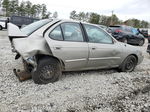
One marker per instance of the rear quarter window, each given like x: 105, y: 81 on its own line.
x: 56, y: 34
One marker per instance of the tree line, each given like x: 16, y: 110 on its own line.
x: 96, y: 18
x: 26, y: 8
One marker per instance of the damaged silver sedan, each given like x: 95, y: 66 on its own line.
x: 51, y: 46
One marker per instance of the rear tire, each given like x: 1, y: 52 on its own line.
x: 128, y: 64
x: 48, y: 70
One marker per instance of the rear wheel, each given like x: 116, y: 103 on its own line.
x: 128, y: 64
x: 48, y: 70
x: 141, y: 42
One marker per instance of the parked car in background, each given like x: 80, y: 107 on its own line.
x: 144, y: 32
x: 51, y: 46
x: 22, y: 20
x: 126, y: 34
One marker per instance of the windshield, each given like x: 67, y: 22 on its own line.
x: 34, y: 26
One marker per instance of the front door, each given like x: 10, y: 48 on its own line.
x: 103, y: 51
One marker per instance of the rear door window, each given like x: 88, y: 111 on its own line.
x: 72, y: 32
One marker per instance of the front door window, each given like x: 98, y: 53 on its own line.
x: 96, y: 35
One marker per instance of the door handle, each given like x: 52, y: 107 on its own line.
x: 93, y: 48
x: 57, y: 48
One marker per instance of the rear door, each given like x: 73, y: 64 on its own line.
x: 103, y: 52
x: 67, y: 43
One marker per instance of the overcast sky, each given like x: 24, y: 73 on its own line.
x: 124, y: 9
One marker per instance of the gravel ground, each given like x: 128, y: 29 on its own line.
x: 88, y: 91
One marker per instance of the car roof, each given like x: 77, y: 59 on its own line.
x: 69, y: 20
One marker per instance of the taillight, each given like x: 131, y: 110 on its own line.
x: 118, y: 31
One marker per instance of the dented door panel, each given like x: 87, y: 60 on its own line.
x: 104, y: 55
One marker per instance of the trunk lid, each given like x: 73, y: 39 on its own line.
x: 14, y: 32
